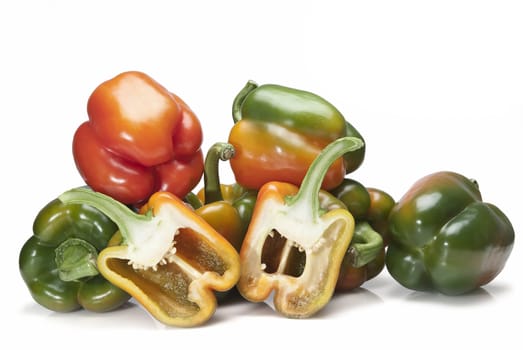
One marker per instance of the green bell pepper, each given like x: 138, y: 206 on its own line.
x: 58, y: 262
x: 445, y: 238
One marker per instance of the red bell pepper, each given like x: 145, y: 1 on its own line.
x: 139, y: 139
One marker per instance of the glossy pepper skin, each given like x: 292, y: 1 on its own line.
x: 228, y: 208
x: 370, y: 208
x: 293, y: 246
x: 279, y: 131
x: 58, y: 263
x: 170, y: 259
x: 445, y: 238
x: 367, y: 204
x: 140, y: 138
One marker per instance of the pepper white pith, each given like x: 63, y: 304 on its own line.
x: 150, y: 238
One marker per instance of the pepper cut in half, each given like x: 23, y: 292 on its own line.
x: 293, y: 246
x: 58, y: 262
x: 279, y: 131
x: 170, y: 259
x: 445, y: 238
x: 139, y: 139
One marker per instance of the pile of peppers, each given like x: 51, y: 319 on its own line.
x: 294, y: 229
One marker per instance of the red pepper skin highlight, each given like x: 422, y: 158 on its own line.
x: 140, y: 138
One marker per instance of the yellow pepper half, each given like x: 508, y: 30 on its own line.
x: 170, y: 259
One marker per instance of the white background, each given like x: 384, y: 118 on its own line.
x: 431, y: 85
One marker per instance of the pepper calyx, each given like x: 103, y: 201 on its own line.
x: 365, y: 246
x: 75, y: 259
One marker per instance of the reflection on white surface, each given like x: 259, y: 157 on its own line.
x: 370, y: 298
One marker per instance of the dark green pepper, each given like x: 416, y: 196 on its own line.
x: 58, y: 263
x: 445, y: 238
x: 370, y: 208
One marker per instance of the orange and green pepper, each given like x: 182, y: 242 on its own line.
x: 278, y: 133
x: 445, y: 238
x: 169, y: 259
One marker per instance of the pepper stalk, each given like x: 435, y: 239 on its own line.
x: 366, y: 245
x: 149, y: 238
x: 75, y: 259
x: 211, y: 178
x: 250, y: 86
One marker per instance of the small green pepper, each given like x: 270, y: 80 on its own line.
x: 445, y: 238
x: 58, y: 263
x: 370, y: 208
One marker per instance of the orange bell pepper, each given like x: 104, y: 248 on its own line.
x: 140, y: 138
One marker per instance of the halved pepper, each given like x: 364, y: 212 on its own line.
x: 170, y: 259
x: 293, y: 246
x: 445, y: 238
x: 228, y: 208
x: 140, y: 138
x: 370, y: 208
x: 58, y: 262
x: 279, y: 131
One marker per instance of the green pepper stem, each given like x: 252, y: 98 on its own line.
x: 193, y: 200
x: 75, y: 259
x: 211, y: 178
x: 308, y: 194
x: 474, y: 182
x: 238, y: 100
x: 118, y: 212
x: 366, y: 245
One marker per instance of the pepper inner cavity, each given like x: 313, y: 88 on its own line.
x: 282, y: 256
x: 168, y: 286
